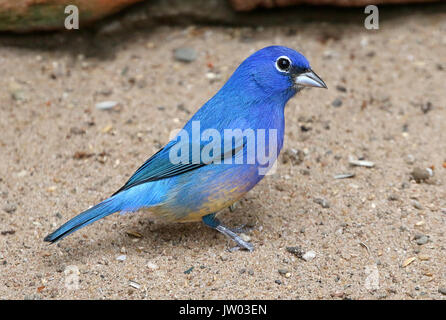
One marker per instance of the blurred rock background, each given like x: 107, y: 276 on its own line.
x: 30, y: 15
x: 243, y: 5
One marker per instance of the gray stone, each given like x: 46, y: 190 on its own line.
x: 297, y: 251
x: 337, y: 103
x: 323, y: 202
x: 419, y: 174
x: 10, y: 208
x: 417, y: 205
x: 341, y: 88
x: 421, y: 239
x: 185, y: 54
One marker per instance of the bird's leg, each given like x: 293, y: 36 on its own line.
x: 214, y: 223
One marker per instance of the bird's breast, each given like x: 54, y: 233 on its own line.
x: 206, y: 190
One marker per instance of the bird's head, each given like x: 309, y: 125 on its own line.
x: 280, y: 70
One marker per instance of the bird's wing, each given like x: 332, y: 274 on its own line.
x: 159, y: 166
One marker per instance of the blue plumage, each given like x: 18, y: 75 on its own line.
x: 253, y: 99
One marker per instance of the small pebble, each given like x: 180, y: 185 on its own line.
x: 22, y: 173
x: 283, y: 271
x: 18, y: 95
x: 133, y: 234
x: 410, y: 159
x: 442, y: 290
x: 105, y: 92
x: 152, y: 266
x: 295, y: 157
x: 341, y: 88
x: 185, y: 54
x: 361, y: 163
x: 213, y: 76
x: 134, y: 284
x: 309, y: 255
x: 9, y: 208
x: 323, y: 202
x: 408, y: 261
x: 181, y: 107
x: 421, y: 239
x: 297, y: 251
x: 107, y: 128
x: 344, y: 176
x: 417, y: 205
x: 425, y: 108
x: 106, y: 105
x: 337, y: 103
x: 77, y: 131
x: 121, y: 258
x: 419, y: 174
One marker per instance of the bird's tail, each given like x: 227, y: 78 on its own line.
x: 99, y: 211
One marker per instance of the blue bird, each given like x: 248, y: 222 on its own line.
x: 196, y: 175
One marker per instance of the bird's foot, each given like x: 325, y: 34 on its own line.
x: 242, y: 229
x: 235, y: 237
x: 214, y: 223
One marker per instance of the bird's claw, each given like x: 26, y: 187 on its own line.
x: 242, y: 244
x: 245, y: 245
x: 214, y: 223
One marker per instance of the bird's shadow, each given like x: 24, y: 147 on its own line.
x: 158, y: 238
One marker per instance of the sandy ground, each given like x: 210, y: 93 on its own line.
x: 381, y: 237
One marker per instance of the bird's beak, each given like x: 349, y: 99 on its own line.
x: 309, y: 79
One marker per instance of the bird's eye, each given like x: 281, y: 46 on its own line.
x: 283, y: 64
